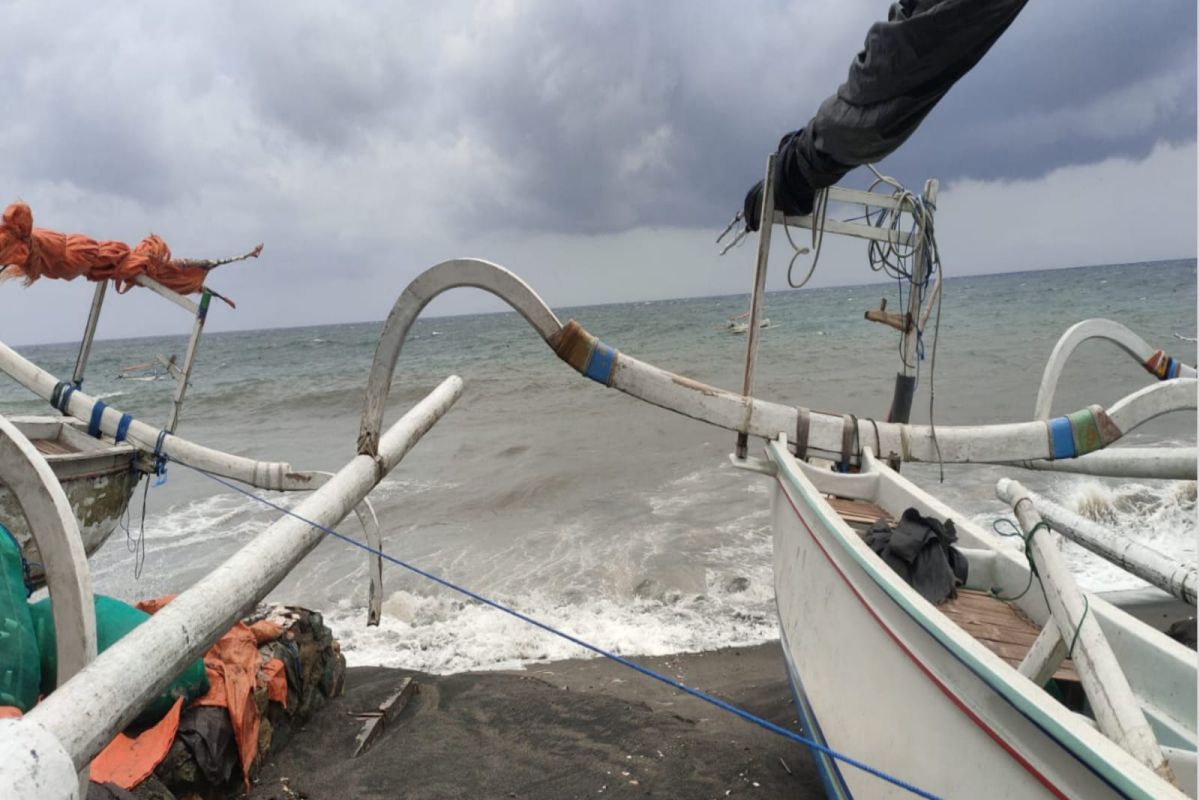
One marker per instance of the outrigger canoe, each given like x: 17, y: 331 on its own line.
x: 933, y: 693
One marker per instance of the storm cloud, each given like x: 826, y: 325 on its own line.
x: 364, y: 141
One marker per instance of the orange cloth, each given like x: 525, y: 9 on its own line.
x: 235, y: 667
x: 33, y: 253
x: 127, y: 762
x: 232, y: 666
x: 154, y: 604
x: 266, y: 631
x: 276, y: 676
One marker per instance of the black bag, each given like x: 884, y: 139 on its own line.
x: 921, y: 550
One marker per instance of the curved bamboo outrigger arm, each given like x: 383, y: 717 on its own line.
x: 833, y: 436
x: 52, y: 523
x: 42, y: 499
x: 460, y: 272
x: 1156, y: 362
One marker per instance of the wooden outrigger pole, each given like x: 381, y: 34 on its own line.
x: 1086, y: 430
x: 1174, y: 576
x: 65, y: 731
x: 1074, y: 633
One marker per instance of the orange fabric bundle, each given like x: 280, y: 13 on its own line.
x: 128, y: 761
x: 232, y: 666
x: 32, y: 253
x: 235, y: 668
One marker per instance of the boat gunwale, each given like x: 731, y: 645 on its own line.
x: 1089, y: 747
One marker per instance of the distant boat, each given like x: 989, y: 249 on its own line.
x: 161, y: 367
x: 739, y: 325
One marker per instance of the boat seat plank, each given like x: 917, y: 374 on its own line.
x: 858, y: 512
x: 995, y: 623
x: 53, y: 447
x: 999, y: 626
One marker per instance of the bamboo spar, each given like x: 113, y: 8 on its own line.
x: 1172, y: 575
x: 767, y: 212
x: 276, y: 475
x: 84, y: 713
x: 1116, y: 709
x: 999, y: 443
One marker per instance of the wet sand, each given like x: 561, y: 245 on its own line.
x: 566, y: 729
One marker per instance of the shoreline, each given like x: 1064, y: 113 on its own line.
x: 557, y: 729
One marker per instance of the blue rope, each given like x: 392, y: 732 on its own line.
x: 658, y: 676
x: 94, y: 424
x: 62, y: 392
x: 122, y: 428
x: 160, y: 459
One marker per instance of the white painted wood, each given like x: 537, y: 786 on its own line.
x: 1076, y: 335
x: 189, y: 361
x: 276, y: 475
x: 1161, y: 463
x: 429, y: 284
x: 1153, y: 401
x: 370, y: 523
x: 52, y: 525
x: 861, y: 657
x: 35, y: 766
x: 752, y: 464
x: 858, y: 197
x: 25, y: 471
x: 1044, y: 658
x: 756, y: 295
x: 1161, y: 671
x: 89, y: 333
x: 1113, y: 703
x: 176, y: 298
x: 87, y: 710
x: 931, y: 301
x: 1172, y: 575
x: 858, y: 230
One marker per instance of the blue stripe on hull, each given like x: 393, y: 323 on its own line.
x: 831, y: 775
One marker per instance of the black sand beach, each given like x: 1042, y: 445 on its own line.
x: 566, y: 729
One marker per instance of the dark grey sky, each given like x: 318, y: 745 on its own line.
x: 592, y: 148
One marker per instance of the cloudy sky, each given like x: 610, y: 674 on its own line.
x: 595, y: 148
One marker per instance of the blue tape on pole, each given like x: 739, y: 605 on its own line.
x: 122, y: 428
x: 1061, y: 438
x: 600, y: 365
x: 1172, y: 368
x: 97, y: 413
x: 66, y: 396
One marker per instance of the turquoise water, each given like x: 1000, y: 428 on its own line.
x: 619, y: 521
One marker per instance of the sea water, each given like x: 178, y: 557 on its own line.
x: 617, y: 521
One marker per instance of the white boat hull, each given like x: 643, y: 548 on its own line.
x: 96, y: 476
x: 882, y: 676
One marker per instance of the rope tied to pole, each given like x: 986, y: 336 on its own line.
x: 160, y: 458
x: 1026, y: 538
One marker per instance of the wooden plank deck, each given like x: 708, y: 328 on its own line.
x: 996, y: 624
x: 53, y: 447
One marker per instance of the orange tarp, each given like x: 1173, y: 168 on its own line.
x: 235, y: 668
x: 127, y: 762
x: 276, y: 681
x: 33, y: 253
